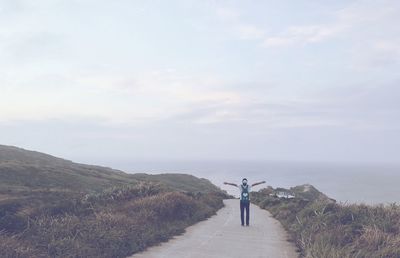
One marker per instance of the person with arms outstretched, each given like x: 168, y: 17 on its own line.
x: 244, y: 198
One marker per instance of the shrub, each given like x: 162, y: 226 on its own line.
x: 115, y: 223
x: 322, y: 228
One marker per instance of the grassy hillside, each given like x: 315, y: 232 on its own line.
x: 305, y: 192
x: 181, y: 182
x: 22, y: 169
x: 29, y: 170
x: 50, y: 207
x: 323, y: 228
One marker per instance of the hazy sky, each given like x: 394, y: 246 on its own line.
x: 99, y: 81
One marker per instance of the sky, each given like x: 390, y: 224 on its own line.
x: 106, y: 81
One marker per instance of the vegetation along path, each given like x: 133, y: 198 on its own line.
x: 222, y: 236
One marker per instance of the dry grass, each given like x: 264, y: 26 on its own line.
x: 115, y: 223
x: 322, y: 228
x: 50, y: 207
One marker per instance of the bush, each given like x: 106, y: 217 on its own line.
x: 12, y: 246
x: 12, y: 223
x: 115, y: 223
x: 322, y: 228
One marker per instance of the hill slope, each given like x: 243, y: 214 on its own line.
x: 30, y: 170
x: 51, y: 207
x: 323, y: 228
x: 22, y: 169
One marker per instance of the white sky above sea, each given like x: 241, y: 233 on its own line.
x: 106, y: 81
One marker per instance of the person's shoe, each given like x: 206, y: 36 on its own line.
x: 247, y: 225
x: 242, y: 225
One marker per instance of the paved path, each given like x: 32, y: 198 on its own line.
x: 223, y: 236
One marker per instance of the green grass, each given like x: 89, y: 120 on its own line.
x: 323, y: 228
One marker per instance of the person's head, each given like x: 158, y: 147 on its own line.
x: 244, y: 181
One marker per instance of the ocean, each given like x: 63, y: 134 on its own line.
x: 347, y: 183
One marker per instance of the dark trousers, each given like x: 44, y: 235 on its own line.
x: 245, y: 206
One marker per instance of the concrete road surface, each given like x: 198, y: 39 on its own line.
x: 223, y: 236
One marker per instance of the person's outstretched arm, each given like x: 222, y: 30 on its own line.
x: 226, y: 183
x: 259, y: 183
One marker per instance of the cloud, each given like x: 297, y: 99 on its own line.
x: 301, y: 35
x: 227, y: 14
x: 389, y: 46
x: 371, y: 107
x: 311, y: 34
x: 113, y: 97
x: 243, y: 30
x: 345, y: 22
x: 384, y: 53
x: 376, y: 56
x: 278, y: 42
x: 9, y: 7
x: 154, y: 85
x: 250, y: 32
